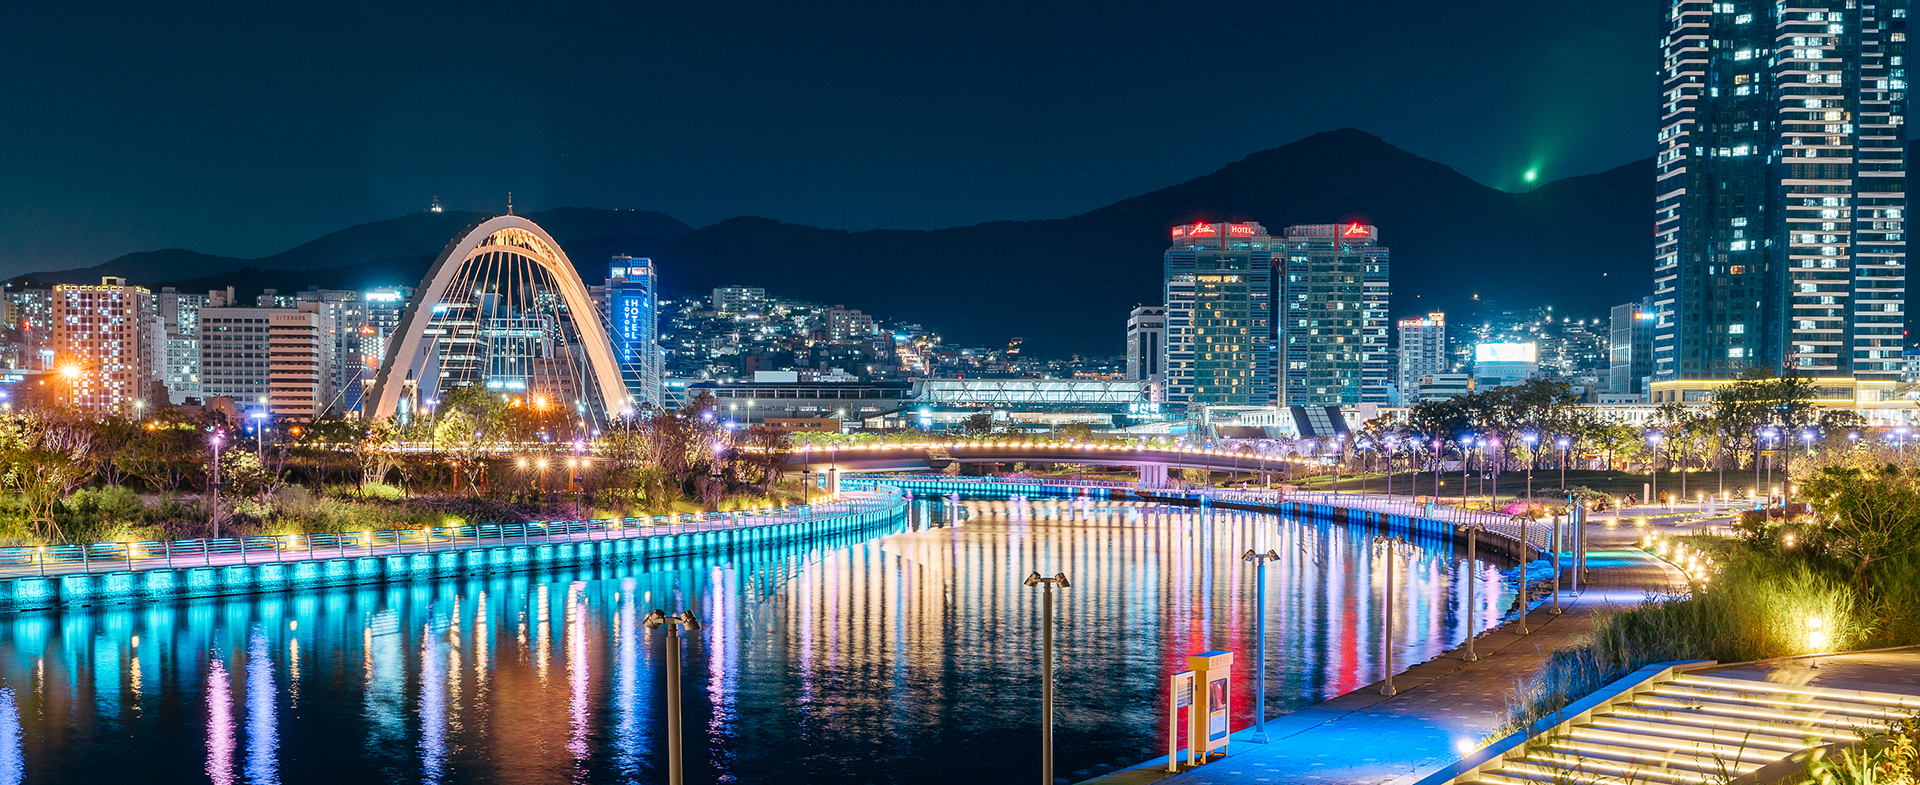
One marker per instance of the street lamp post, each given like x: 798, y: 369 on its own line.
x: 1046, y: 658
x: 1770, y: 435
x: 1493, y: 461
x: 1436, y: 472
x: 214, y: 486
x: 260, y: 434
x: 676, y: 765
x: 1386, y: 631
x: 1473, y: 531
x: 1468, y: 445
x: 1654, y: 469
x: 1260, y: 641
x: 1529, y: 439
x: 1524, y: 556
x: 1390, y: 442
x: 1564, y: 444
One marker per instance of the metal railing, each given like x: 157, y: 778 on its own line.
x: 1539, y: 533
x: 208, y: 552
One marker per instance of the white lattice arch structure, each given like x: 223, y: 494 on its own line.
x: 509, y: 234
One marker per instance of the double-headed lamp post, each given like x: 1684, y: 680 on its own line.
x: 1046, y: 671
x: 676, y: 765
x: 1259, y: 641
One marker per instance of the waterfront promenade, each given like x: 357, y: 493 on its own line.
x: 1444, y: 706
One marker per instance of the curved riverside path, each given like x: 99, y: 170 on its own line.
x: 1446, y: 705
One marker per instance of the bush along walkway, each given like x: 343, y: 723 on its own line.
x: 1445, y: 707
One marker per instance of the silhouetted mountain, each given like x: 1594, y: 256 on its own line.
x: 1580, y: 244
x: 396, y: 242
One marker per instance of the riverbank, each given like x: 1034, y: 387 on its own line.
x: 470, y: 550
x: 1444, y: 706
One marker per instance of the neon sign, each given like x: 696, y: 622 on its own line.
x: 1356, y: 229
x: 1203, y: 230
x: 1240, y: 230
x: 1179, y: 231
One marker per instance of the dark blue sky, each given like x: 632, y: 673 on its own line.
x: 247, y: 128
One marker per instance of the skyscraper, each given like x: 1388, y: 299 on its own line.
x: 632, y: 319
x: 1423, y: 352
x: 1781, y: 189
x: 1330, y: 315
x: 1630, y: 348
x: 1146, y: 349
x: 1219, y: 293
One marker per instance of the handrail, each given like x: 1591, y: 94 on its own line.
x: 93, y: 557
x: 1538, y: 536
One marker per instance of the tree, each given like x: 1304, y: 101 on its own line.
x: 1868, y: 514
x: 162, y: 456
x: 45, y: 456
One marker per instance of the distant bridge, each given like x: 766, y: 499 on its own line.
x: 1153, y: 462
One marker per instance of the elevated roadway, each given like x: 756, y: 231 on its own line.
x: 1153, y: 462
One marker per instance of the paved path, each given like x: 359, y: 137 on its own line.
x: 188, y: 554
x: 1364, y: 737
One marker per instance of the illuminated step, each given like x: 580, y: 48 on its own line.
x: 1697, y: 729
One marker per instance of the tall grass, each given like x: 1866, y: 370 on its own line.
x: 1757, y: 608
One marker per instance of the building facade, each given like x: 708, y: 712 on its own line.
x: 1146, y: 349
x: 1630, y: 348
x: 1423, y: 352
x: 234, y: 360
x: 1781, y: 189
x: 632, y: 313
x: 298, y: 343
x: 180, y: 324
x: 1331, y: 314
x: 103, y: 342
x: 738, y: 299
x: 1218, y: 280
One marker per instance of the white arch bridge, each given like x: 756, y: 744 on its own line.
x: 502, y: 308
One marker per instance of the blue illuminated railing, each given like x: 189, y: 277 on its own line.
x: 1539, y: 534
x: 168, y: 554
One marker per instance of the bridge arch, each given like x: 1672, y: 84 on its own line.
x: 504, y: 245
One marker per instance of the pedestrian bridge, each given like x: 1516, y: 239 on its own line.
x: 1153, y: 462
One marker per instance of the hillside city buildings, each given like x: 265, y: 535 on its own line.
x: 1779, y: 239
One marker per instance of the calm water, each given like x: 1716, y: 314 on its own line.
x: 907, y: 658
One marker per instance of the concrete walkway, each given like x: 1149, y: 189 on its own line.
x: 1445, y: 705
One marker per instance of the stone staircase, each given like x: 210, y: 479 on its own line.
x: 1685, y: 728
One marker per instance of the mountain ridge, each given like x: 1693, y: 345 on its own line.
x: 1581, y: 243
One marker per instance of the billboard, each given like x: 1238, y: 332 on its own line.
x: 1504, y: 353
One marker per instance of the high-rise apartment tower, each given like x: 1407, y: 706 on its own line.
x: 1423, y: 352
x: 1780, y: 196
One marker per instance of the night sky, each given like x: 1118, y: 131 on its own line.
x: 243, y: 130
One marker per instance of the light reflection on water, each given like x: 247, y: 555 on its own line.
x: 911, y: 657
